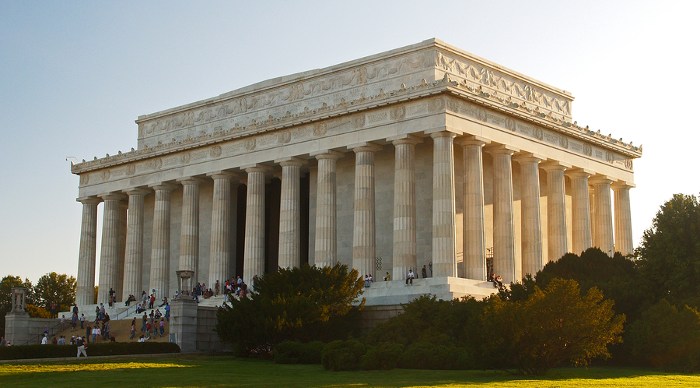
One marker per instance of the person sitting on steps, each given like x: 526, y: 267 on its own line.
x: 410, y: 276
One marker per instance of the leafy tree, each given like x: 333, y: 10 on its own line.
x: 554, y: 326
x: 666, y: 337
x: 669, y: 255
x: 55, y: 288
x: 6, y: 285
x: 303, y: 304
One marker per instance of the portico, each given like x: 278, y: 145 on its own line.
x: 423, y: 155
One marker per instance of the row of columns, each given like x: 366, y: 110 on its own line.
x: 125, y: 276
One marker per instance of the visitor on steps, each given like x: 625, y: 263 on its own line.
x: 410, y: 276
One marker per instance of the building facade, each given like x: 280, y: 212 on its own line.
x: 423, y: 155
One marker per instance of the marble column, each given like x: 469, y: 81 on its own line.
x: 325, y: 250
x: 254, y: 245
x: 473, y: 222
x: 133, y: 261
x: 603, y: 237
x: 160, y: 242
x: 290, y: 213
x: 189, y: 228
x: 530, y: 223
x: 109, y: 251
x: 121, y: 252
x: 623, y: 219
x: 504, y: 261
x: 364, y: 238
x: 556, y: 210
x: 580, y: 212
x: 444, y: 252
x: 220, y: 250
x: 88, y: 252
x: 404, y: 241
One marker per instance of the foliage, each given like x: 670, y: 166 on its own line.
x: 669, y: 254
x: 666, y: 337
x: 303, y: 304
x: 343, y: 355
x: 552, y: 327
x: 6, y: 285
x: 35, y: 311
x: 55, y: 288
x: 426, y: 355
x: 294, y: 352
x: 105, y: 349
x: 385, y: 356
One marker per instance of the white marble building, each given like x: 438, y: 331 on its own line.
x: 421, y: 155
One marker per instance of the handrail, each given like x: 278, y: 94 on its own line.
x: 126, y: 312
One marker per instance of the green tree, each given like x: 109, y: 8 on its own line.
x: 554, y: 326
x: 669, y: 255
x: 55, y: 288
x: 6, y: 285
x: 303, y: 304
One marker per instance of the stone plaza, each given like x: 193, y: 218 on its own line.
x: 425, y: 155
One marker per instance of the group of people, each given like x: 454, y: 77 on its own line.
x: 235, y: 287
x: 497, y: 280
x: 152, y: 325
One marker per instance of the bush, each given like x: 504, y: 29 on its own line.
x: 343, y: 355
x: 383, y: 356
x: 106, y: 349
x: 426, y: 355
x: 294, y: 352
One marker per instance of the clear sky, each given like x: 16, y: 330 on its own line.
x: 74, y: 75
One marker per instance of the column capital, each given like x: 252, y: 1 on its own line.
x: 265, y: 169
x: 163, y: 186
x: 472, y: 140
x: 525, y: 157
x: 404, y: 139
x: 617, y: 185
x: 503, y: 149
x: 600, y: 179
x: 89, y: 200
x: 580, y: 173
x: 555, y: 165
x: 137, y: 191
x: 327, y: 154
x: 291, y: 161
x: 230, y: 175
x: 442, y: 133
x: 190, y: 181
x: 113, y: 196
x: 365, y: 147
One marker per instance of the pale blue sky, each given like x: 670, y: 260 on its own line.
x: 74, y: 75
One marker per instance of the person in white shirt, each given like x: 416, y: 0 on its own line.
x: 45, y: 340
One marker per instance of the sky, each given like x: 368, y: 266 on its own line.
x: 74, y: 75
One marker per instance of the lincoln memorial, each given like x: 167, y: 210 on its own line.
x: 425, y: 155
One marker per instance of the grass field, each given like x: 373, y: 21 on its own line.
x: 211, y: 371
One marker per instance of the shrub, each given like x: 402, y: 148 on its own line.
x: 294, y: 352
x: 106, y: 349
x: 382, y: 356
x: 426, y: 355
x: 343, y: 355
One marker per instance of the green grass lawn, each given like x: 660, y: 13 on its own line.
x: 209, y: 371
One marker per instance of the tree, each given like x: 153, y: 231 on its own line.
x: 554, y: 326
x: 6, y: 285
x: 303, y: 304
x: 669, y: 255
x: 55, y: 288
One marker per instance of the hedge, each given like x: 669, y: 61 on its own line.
x: 105, y: 349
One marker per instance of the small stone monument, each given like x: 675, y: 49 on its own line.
x: 183, y: 322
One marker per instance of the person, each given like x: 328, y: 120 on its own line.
x: 424, y: 272
x: 162, y: 326
x: 142, y: 338
x: 75, y: 309
x: 45, y: 339
x: 167, y: 312
x: 95, y: 333
x: 410, y: 276
x: 151, y: 300
x: 111, y: 296
x: 164, y: 300
x: 130, y: 299
x: 217, y: 288
x: 102, y: 311
x: 74, y: 320
x: 82, y: 321
x: 88, y: 331
x: 499, y: 281
x: 387, y: 277
x: 144, y: 319
x: 81, y: 347
x: 62, y: 340
x: 3, y: 342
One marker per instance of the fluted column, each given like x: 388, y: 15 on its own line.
x: 189, y: 228
x: 133, y: 260
x: 290, y: 214
x: 444, y: 254
x: 220, y: 229
x: 623, y: 219
x: 160, y: 241
x: 404, y: 241
x: 88, y: 252
x: 325, y: 251
x: 363, y: 238
x: 556, y: 210
x: 254, y: 245
x: 530, y: 224
x: 109, y: 252
x: 603, y: 238
x: 473, y: 221
x: 580, y: 212
x: 503, y: 225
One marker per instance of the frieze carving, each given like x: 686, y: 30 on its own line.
x: 250, y: 144
x: 215, y: 151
